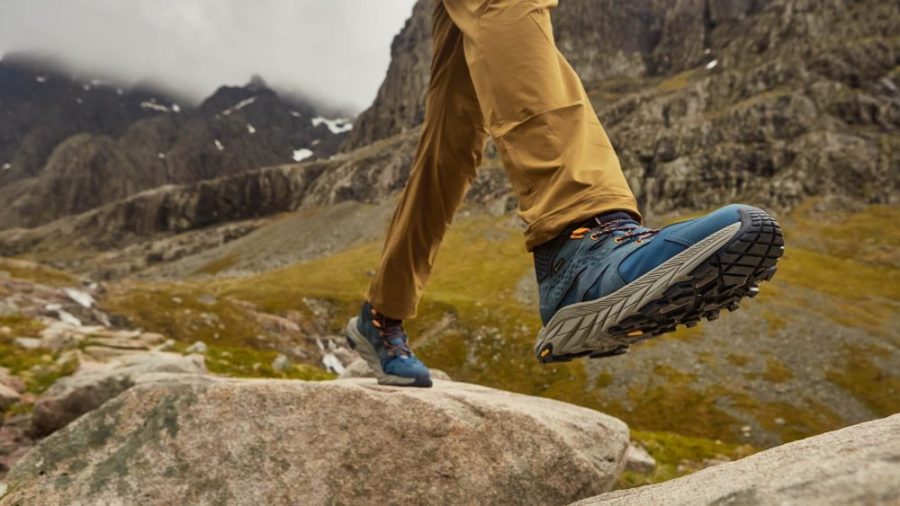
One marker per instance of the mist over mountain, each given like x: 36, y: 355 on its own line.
x: 70, y: 144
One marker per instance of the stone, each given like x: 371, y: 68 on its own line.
x: 360, y: 369
x: 638, y: 460
x: 8, y: 397
x: 856, y: 465
x: 248, y: 442
x: 92, y: 385
x: 281, y: 363
x: 198, y: 347
x: 29, y: 343
x: 14, y: 382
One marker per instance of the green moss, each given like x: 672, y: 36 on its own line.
x: 253, y: 363
x: 737, y: 360
x: 858, y: 374
x: 676, y: 405
x: 797, y: 420
x: 21, y: 326
x: 217, y: 266
x: 39, y: 368
x: 177, y: 310
x: 776, y: 372
x: 677, y: 455
x: 43, y: 377
x: 36, y: 273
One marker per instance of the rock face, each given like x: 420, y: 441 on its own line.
x: 369, y: 175
x: 84, y: 391
x: 856, y: 465
x: 706, y: 101
x: 207, y: 441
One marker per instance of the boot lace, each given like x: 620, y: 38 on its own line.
x: 392, y: 335
x: 632, y: 231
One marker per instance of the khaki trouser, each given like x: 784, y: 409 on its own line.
x: 496, y: 70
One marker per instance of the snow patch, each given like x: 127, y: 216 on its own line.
x: 296, y: 114
x: 250, y: 129
x: 86, y: 87
x: 315, y: 142
x: 83, y: 299
x: 41, y: 79
x: 219, y: 145
x: 336, y: 125
x: 302, y: 154
x: 161, y: 156
x: 238, y: 106
x: 79, y: 100
x: 711, y: 65
x: 6, y: 166
x: 120, y: 91
x: 176, y: 108
x: 153, y: 106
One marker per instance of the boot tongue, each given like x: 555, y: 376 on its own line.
x: 610, y: 217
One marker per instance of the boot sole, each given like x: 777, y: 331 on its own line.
x: 712, y: 275
x: 358, y: 342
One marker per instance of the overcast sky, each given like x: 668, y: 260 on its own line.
x: 335, y: 50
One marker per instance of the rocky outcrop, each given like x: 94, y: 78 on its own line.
x: 708, y: 101
x: 369, y: 175
x: 203, y: 441
x: 400, y: 103
x: 96, y: 383
x: 856, y: 465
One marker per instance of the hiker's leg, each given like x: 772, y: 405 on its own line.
x: 557, y: 156
x: 448, y: 152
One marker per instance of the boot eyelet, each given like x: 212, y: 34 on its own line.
x: 594, y: 236
x: 618, y: 240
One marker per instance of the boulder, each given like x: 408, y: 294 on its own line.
x: 8, y: 397
x: 207, y: 440
x: 638, y: 460
x: 856, y: 465
x: 360, y: 369
x: 96, y: 383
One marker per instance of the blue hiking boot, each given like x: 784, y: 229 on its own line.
x: 382, y: 343
x: 610, y: 283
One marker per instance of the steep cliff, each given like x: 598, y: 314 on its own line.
x: 707, y: 101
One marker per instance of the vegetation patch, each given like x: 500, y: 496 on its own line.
x: 253, y: 363
x: 858, y: 374
x: 36, y: 273
x: 217, y: 266
x: 677, y: 455
x: 39, y: 368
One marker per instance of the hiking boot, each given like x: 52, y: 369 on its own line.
x: 382, y: 343
x: 609, y: 283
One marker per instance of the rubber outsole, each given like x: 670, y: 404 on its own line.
x: 696, y: 284
x: 367, y: 352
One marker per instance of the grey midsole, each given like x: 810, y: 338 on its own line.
x: 582, y: 326
x: 368, y: 353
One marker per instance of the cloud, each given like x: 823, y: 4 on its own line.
x: 334, y: 50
